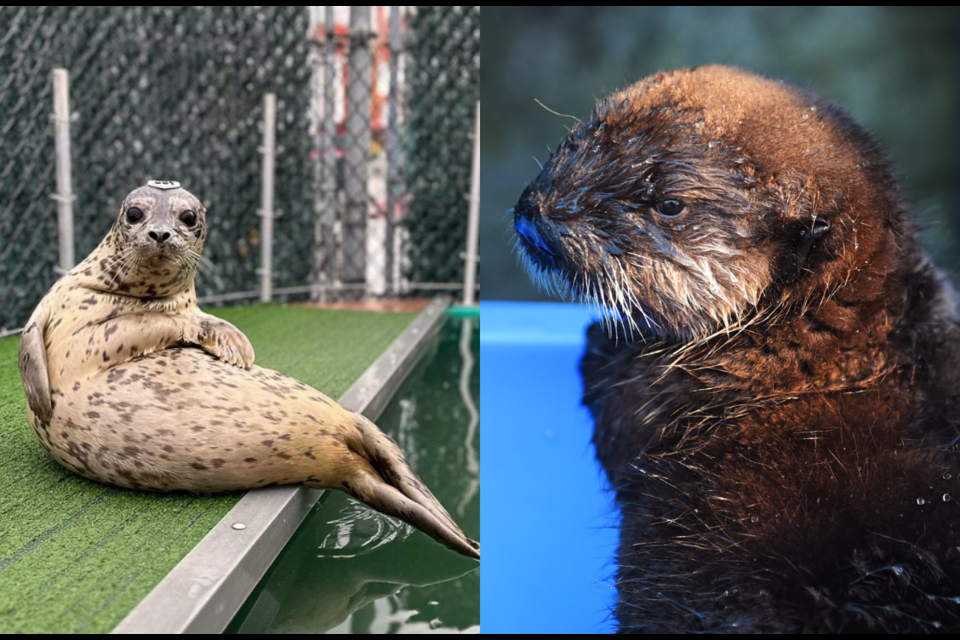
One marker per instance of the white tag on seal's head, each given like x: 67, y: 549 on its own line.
x: 163, y: 184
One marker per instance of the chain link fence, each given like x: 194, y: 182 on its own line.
x: 373, y: 138
x: 441, y: 107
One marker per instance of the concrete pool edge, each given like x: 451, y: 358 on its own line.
x: 209, y: 585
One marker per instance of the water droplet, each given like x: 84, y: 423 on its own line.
x: 947, y: 475
x: 856, y: 245
x: 700, y: 124
x: 696, y: 510
x: 741, y: 160
x: 818, y: 500
x: 750, y: 180
x: 754, y: 519
x: 596, y: 148
x: 936, y: 625
x: 813, y: 108
x: 946, y: 497
x: 713, y: 144
x: 897, y: 570
x: 921, y: 501
x: 806, y: 115
x: 726, y: 593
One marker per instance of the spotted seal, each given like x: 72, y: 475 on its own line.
x: 776, y: 395
x: 129, y: 383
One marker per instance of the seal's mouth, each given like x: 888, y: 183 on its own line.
x: 160, y: 255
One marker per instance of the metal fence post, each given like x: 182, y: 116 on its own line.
x: 392, y: 149
x: 64, y: 195
x: 357, y: 157
x: 329, y: 158
x: 315, y: 60
x: 473, y: 221
x: 266, y: 203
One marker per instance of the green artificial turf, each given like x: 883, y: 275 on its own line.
x: 77, y: 556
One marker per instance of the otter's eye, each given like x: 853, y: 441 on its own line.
x: 670, y: 208
x: 134, y: 215
x: 188, y: 218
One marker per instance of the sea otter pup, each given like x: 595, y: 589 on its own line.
x: 129, y: 383
x: 776, y: 399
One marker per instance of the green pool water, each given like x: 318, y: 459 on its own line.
x: 351, y: 570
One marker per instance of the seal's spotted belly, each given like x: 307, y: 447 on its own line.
x: 173, y: 419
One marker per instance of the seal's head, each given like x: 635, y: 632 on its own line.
x: 697, y: 197
x: 155, y: 243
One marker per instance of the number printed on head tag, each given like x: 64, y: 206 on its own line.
x: 163, y: 184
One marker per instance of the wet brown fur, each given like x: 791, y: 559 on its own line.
x: 780, y: 426
x: 129, y: 383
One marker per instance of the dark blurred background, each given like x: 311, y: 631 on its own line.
x: 894, y: 69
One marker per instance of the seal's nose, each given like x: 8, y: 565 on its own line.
x: 159, y: 236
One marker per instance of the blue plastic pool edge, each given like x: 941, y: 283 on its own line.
x: 548, y: 524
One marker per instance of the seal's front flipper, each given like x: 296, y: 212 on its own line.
x: 33, y: 369
x: 367, y: 487
x: 223, y: 340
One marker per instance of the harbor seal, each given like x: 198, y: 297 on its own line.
x: 129, y: 383
x: 775, y: 386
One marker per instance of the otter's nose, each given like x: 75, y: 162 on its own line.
x: 159, y: 236
x: 528, y: 229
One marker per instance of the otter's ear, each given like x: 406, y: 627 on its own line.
x: 802, y: 239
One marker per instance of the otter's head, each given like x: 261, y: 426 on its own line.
x: 694, y: 198
x: 156, y: 241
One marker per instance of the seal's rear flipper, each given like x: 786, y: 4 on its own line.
x: 33, y: 368
x: 367, y: 487
x: 387, y: 458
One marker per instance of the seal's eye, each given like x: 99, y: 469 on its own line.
x: 188, y: 218
x: 134, y: 215
x: 670, y: 208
